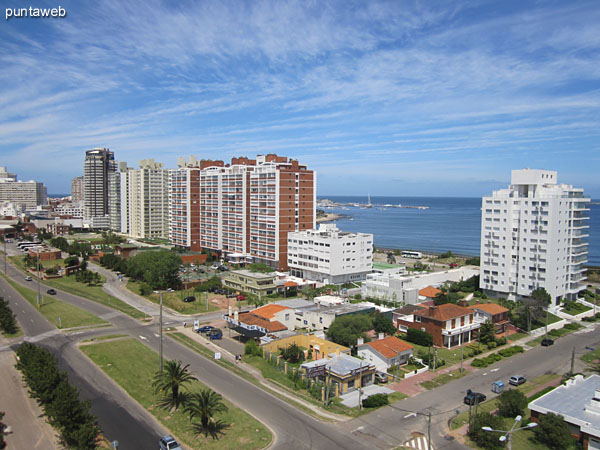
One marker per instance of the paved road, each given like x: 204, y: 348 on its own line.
x: 395, y: 423
x: 293, y: 428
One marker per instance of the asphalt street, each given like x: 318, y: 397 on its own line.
x: 123, y: 419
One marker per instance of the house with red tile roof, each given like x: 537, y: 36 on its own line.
x: 268, y: 319
x: 449, y: 324
x: 496, y: 314
x: 386, y: 352
x: 429, y: 292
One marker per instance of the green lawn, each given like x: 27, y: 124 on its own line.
x: 517, y: 336
x: 94, y: 293
x: 443, y: 379
x: 591, y: 356
x: 132, y: 365
x: 52, y: 309
x: 553, y: 334
x: 450, y: 356
x: 106, y: 337
x: 18, y: 333
x: 576, y: 308
x: 174, y: 300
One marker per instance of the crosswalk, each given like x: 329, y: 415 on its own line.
x: 419, y: 443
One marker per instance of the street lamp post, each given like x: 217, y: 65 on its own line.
x: 507, y: 436
x: 161, y: 333
x: 37, y: 263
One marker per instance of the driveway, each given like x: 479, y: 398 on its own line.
x: 351, y: 398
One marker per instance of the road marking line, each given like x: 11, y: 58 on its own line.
x: 144, y: 338
x: 410, y: 415
x: 157, y: 335
x: 494, y: 370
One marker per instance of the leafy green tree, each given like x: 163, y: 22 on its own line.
x: 484, y: 438
x: 145, y: 289
x: 212, y: 283
x: 487, y: 333
x: 345, y: 330
x: 71, y: 261
x: 205, y: 405
x: 475, y: 261
x: 446, y: 297
x: 292, y: 353
x: 169, y: 382
x: 553, y: 431
x: 2, y: 425
x: 8, y: 321
x: 512, y: 403
x: 60, y: 243
x: 419, y: 337
x: 383, y: 324
x: 252, y: 348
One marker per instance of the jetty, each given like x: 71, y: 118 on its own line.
x: 326, y: 203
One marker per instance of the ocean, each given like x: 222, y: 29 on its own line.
x: 449, y: 223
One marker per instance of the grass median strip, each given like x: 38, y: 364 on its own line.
x: 94, y: 293
x: 174, y: 300
x: 53, y: 309
x: 133, y: 365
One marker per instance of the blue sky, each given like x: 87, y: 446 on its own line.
x: 392, y: 98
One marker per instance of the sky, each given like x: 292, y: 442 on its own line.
x: 398, y: 98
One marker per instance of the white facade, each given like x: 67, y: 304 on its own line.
x: 329, y: 255
x: 75, y: 210
x: 144, y: 200
x: 27, y: 194
x: 404, y: 289
x: 533, y: 234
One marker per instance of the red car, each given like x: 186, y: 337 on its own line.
x: 241, y: 297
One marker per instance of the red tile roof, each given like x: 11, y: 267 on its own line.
x: 490, y: 308
x: 390, y: 346
x: 251, y: 319
x: 429, y: 291
x: 290, y: 284
x: 444, y: 312
x: 269, y: 311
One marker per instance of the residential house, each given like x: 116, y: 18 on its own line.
x: 345, y: 372
x: 125, y: 250
x: 496, y: 314
x: 449, y: 324
x: 386, y: 352
x: 578, y: 402
x: 318, y: 317
x: 261, y: 321
x: 315, y: 347
x: 429, y: 292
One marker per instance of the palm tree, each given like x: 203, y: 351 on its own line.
x: 168, y: 382
x: 391, y: 259
x: 205, y: 404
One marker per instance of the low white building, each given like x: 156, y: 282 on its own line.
x: 385, y: 352
x: 329, y: 255
x: 404, y: 289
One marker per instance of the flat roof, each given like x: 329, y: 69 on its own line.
x: 382, y: 265
x: 338, y: 310
x: 251, y: 274
x: 574, y: 401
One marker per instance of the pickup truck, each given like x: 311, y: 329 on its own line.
x: 473, y: 398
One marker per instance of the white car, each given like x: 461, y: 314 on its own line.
x: 214, y: 267
x: 27, y: 278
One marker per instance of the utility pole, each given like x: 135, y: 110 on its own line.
x: 429, y: 430
x: 5, y: 257
x: 573, y: 361
x: 161, y: 334
x: 462, y: 352
x: 434, y: 358
x: 38, y: 273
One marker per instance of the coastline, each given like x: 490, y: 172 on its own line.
x: 330, y: 217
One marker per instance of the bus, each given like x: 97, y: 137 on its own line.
x: 411, y: 254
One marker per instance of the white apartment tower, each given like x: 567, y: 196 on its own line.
x: 533, y: 234
x: 144, y: 195
x: 26, y: 194
x: 329, y: 255
x: 99, y: 164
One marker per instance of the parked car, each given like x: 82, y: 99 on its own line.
x: 223, y: 268
x: 27, y: 278
x: 473, y: 398
x: 214, y: 267
x: 51, y: 291
x: 381, y: 377
x: 191, y: 298
x: 215, y: 334
x: 517, y: 380
x: 231, y: 295
x: 241, y: 298
x: 547, y: 342
x: 168, y: 443
x: 205, y: 329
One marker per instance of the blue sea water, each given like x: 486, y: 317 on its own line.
x: 449, y: 223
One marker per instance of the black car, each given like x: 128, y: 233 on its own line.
x: 473, y: 398
x: 223, y: 268
x: 51, y: 291
x: 205, y: 329
x: 189, y: 299
x: 546, y: 342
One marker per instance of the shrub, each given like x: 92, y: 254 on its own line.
x: 8, y: 321
x: 483, y: 438
x: 419, y: 337
x: 554, y: 333
x: 376, y: 400
x: 553, y: 431
x: 572, y: 326
x: 512, y: 403
x: 501, y: 341
x: 251, y: 348
x: 145, y: 289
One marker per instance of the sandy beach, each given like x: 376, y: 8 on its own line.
x: 329, y: 217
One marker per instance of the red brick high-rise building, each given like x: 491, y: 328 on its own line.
x: 245, y: 208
